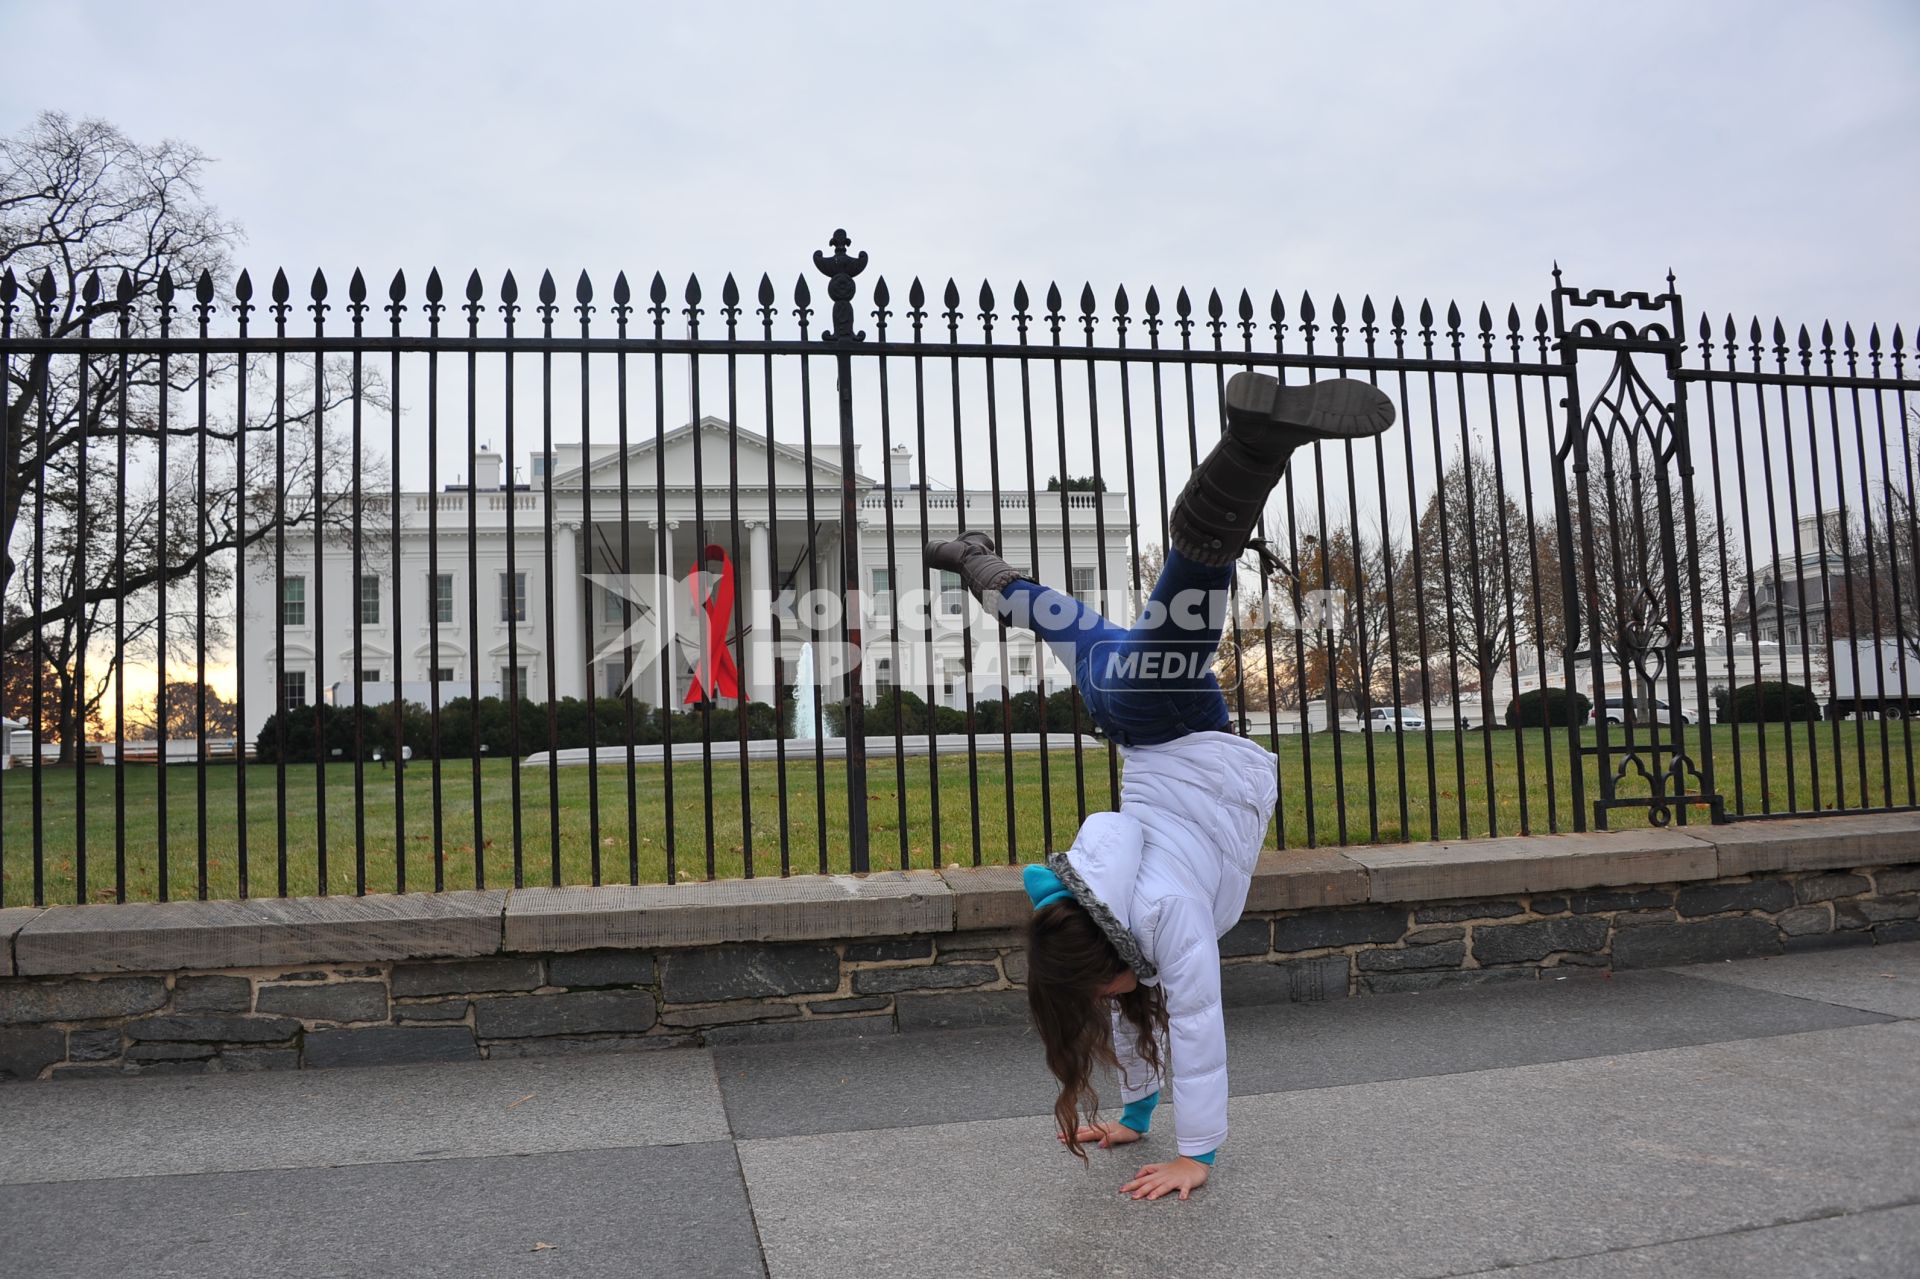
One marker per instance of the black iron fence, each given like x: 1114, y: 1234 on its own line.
x: 303, y: 596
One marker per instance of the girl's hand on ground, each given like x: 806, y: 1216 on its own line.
x: 1105, y: 1135
x: 1182, y: 1174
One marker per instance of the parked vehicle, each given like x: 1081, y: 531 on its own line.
x: 1645, y: 711
x: 1888, y: 684
x: 1395, y: 719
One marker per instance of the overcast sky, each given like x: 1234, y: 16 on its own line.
x: 1766, y: 152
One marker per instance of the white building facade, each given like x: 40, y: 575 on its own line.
x: 477, y: 609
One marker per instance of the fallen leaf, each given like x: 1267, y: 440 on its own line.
x: 528, y: 1097
x: 540, y: 1247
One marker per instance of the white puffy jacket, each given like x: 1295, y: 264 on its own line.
x: 1172, y: 868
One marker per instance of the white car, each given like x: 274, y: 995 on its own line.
x: 1645, y: 711
x: 1395, y: 719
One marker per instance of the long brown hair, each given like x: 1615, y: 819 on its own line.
x: 1069, y: 962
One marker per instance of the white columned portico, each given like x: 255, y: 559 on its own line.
x: 759, y: 655
x: 570, y: 658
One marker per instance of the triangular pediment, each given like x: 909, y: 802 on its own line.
x: 719, y: 449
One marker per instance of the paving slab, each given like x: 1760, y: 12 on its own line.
x: 1883, y: 1244
x: 68, y: 1131
x: 998, y: 1072
x: 1438, y: 1176
x: 668, y: 1211
x: 1881, y: 979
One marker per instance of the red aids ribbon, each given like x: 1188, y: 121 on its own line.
x: 716, y: 676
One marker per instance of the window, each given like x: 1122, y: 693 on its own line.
x: 616, y: 680
x: 513, y: 681
x: 370, y: 675
x: 882, y: 593
x: 293, y: 690
x: 513, y: 597
x: 953, y: 596
x: 1020, y: 665
x: 369, y: 599
x: 615, y: 604
x: 442, y: 674
x: 443, y: 597
x: 293, y: 601
x: 883, y: 673
x: 1086, y: 585
x: 542, y: 464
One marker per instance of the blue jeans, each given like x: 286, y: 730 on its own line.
x: 1145, y: 684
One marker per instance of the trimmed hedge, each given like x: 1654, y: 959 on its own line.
x: 916, y: 716
x: 1772, y: 701
x: 1549, y: 708
x: 466, y: 725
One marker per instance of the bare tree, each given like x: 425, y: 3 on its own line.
x: 1476, y: 593
x: 114, y: 490
x: 1344, y: 631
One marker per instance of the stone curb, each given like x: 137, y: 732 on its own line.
x: 262, y: 932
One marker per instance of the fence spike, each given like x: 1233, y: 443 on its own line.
x: 1779, y: 334
x: 397, y: 290
x: 657, y: 291
x: 548, y: 293
x: 1087, y: 304
x: 1339, y: 311
x: 693, y: 291
x: 1397, y: 316
x: 1513, y: 320
x: 9, y: 287
x: 986, y: 300
x: 1053, y: 299
x: 243, y: 288
x: 1153, y: 302
x: 1896, y: 339
x: 1307, y: 311
x: 1873, y: 339
x: 583, y: 290
x: 45, y: 289
x: 1486, y: 321
x: 475, y: 290
x: 203, y: 288
x: 1246, y: 307
x: 1120, y: 302
x: 951, y: 296
x: 1277, y: 311
x: 1215, y: 309
x: 1182, y: 304
x: 803, y: 294
x: 90, y: 288
x: 123, y: 288
x: 917, y: 296
x: 435, y: 290
x: 1706, y: 328
x: 765, y: 293
x: 357, y: 288
x: 729, y: 292
x: 1826, y: 336
x: 1846, y: 336
x: 318, y: 289
x: 1453, y: 317
x: 1540, y: 320
x: 1426, y: 314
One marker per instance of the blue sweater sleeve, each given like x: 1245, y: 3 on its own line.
x: 1138, y: 1114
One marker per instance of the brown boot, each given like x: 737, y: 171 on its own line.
x: 1265, y: 422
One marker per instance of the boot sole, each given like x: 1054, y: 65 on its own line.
x: 1338, y: 408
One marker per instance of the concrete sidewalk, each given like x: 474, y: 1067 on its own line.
x: 1752, y: 1120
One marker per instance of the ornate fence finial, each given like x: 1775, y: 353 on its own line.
x: 840, y: 270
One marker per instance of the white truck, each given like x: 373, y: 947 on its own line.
x: 1888, y: 681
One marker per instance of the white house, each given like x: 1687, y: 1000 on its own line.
x: 474, y: 597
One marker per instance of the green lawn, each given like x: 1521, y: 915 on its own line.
x: 971, y: 813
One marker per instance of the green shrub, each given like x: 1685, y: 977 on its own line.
x: 1549, y: 707
x: 1772, y: 701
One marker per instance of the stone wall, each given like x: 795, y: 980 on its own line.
x: 196, y: 986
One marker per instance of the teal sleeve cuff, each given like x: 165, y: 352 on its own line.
x: 1138, y: 1114
x: 1206, y: 1159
